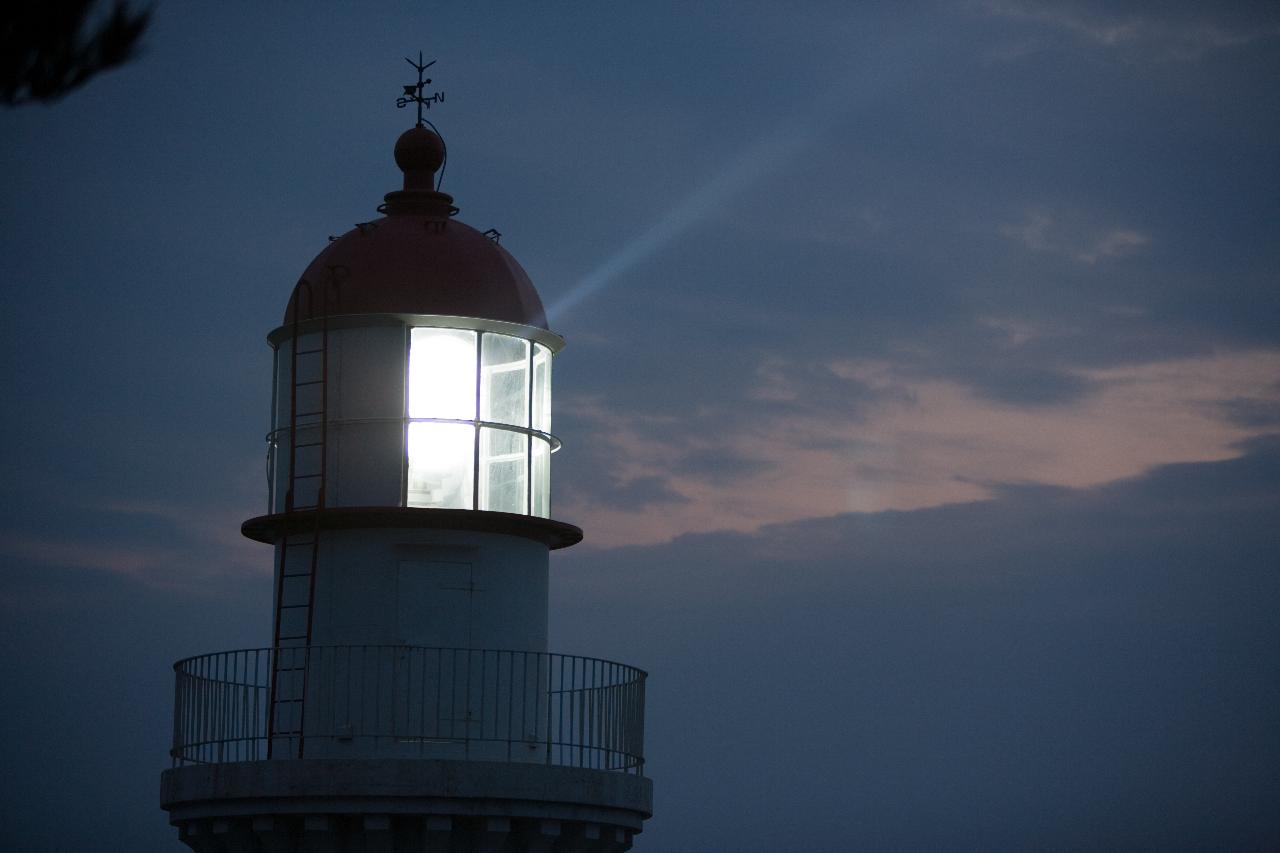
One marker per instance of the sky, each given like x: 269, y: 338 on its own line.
x: 921, y: 402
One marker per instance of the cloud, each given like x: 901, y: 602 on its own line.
x: 1013, y: 331
x: 1041, y: 231
x: 1113, y: 244
x: 1150, y: 33
x: 130, y: 561
x: 639, y: 492
x: 1254, y: 412
x: 788, y: 384
x: 1032, y: 232
x: 917, y: 441
x: 183, y: 548
x: 1050, y: 669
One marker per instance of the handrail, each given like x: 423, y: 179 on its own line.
x: 412, y: 701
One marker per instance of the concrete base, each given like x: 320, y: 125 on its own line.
x: 397, y: 805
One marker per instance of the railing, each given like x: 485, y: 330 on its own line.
x: 410, y: 701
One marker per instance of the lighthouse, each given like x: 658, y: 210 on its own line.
x: 408, y: 699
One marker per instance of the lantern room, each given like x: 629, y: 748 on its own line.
x: 421, y: 411
x: 413, y: 367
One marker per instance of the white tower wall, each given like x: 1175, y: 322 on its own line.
x: 439, y: 588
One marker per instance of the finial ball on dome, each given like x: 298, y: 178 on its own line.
x: 419, y: 150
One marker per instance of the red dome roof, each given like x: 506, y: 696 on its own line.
x: 414, y: 264
x: 416, y: 260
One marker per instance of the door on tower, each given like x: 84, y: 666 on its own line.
x: 435, y: 601
x: 440, y: 678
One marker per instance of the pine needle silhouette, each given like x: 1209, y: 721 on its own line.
x: 45, y: 52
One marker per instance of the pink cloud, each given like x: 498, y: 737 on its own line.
x: 204, y: 545
x: 924, y: 443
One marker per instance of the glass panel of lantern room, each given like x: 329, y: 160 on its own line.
x: 503, y: 464
x: 442, y: 374
x: 441, y: 465
x: 541, y: 388
x: 441, y: 385
x: 540, y: 493
x: 504, y: 379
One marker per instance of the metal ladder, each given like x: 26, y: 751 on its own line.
x: 300, y: 540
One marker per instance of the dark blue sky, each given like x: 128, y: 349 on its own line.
x: 921, y: 403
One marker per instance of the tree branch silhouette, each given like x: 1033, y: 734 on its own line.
x: 45, y: 52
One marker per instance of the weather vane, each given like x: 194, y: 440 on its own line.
x: 413, y: 93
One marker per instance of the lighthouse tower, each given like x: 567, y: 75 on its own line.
x: 408, y: 699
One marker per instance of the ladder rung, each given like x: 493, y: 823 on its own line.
x: 308, y: 414
x: 293, y: 606
x: 306, y: 476
x: 308, y: 382
x: 292, y: 637
x: 308, y: 351
x: 309, y: 444
x: 297, y: 574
